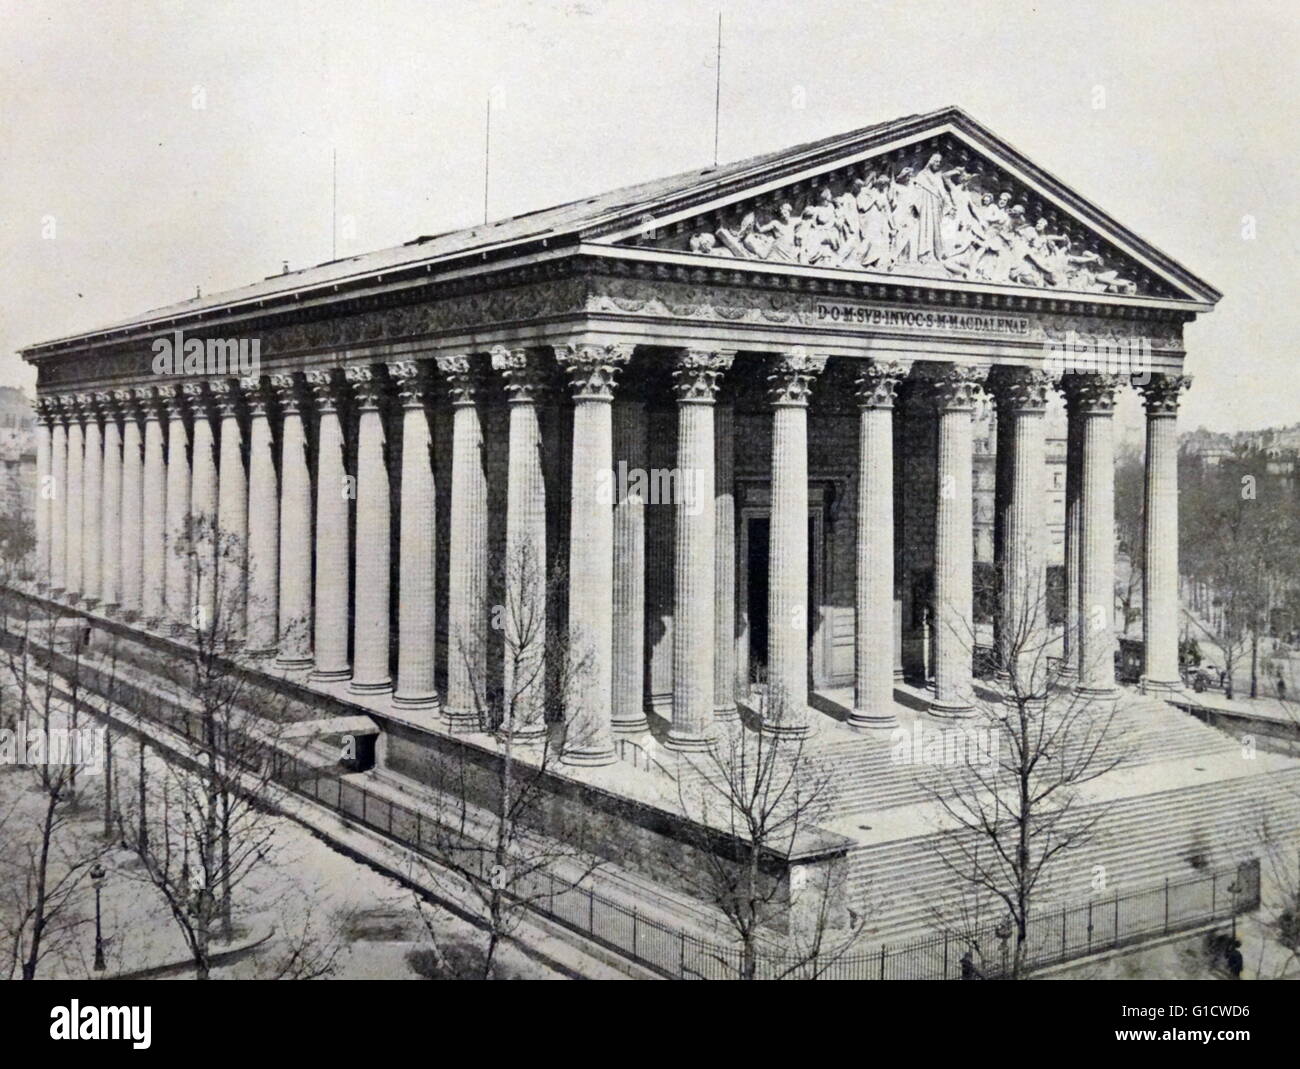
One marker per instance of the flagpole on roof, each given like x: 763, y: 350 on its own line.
x: 717, y: 93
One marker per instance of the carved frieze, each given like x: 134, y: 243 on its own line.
x: 931, y: 211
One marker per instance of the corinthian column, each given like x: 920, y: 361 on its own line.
x: 263, y: 521
x: 370, y: 620
x: 591, y: 370
x: 132, y: 577
x: 1021, y: 395
x: 44, y: 482
x: 74, y: 406
x: 232, y: 519
x: 110, y: 577
x: 523, y: 705
x: 176, y: 567
x: 295, y: 528
x: 203, y: 509
x: 58, y: 497
x: 695, y: 384
x: 724, y: 563
x: 873, y: 661
x: 92, y: 499
x: 467, y: 608
x: 1073, y: 534
x: 1160, y: 611
x: 627, y: 716
x: 954, y: 389
x: 417, y: 591
x: 790, y: 384
x: 153, y: 527
x: 333, y: 492
x: 1094, y: 398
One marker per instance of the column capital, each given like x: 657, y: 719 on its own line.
x: 954, y: 387
x: 696, y: 373
x: 524, y: 371
x: 227, y: 396
x: 591, y: 369
x: 412, y: 381
x: 323, y: 387
x: 47, y: 410
x: 130, y: 403
x: 1094, y: 394
x: 878, y: 380
x: 69, y: 408
x: 1160, y: 394
x: 171, y: 401
x: 462, y: 373
x: 198, y: 399
x: 91, y: 405
x: 367, y: 385
x: 790, y: 377
x: 260, y: 394
x: 1021, y: 388
x: 288, y: 392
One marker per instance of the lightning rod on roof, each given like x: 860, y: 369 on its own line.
x: 717, y: 92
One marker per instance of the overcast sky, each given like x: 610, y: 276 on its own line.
x: 149, y: 148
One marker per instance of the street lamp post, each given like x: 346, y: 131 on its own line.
x: 1003, y: 932
x: 97, y: 876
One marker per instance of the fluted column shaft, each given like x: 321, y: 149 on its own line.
x: 628, y: 715
x: 1095, y: 397
x: 786, y: 709
x: 295, y: 553
x: 92, y: 506
x: 1023, y: 632
x: 176, y: 568
x: 154, y: 517
x: 464, y: 708
x: 232, y: 522
x: 44, y: 481
x: 203, y: 510
x: 954, y: 625
x: 873, y: 660
x: 132, y: 547
x: 59, y: 503
x: 263, y: 522
x: 524, y: 670
x: 724, y: 566
x: 416, y: 607
x: 588, y: 732
x: 332, y: 536
x: 695, y: 383
x: 370, y: 633
x: 1073, y: 538
x: 1160, y: 612
x: 76, y: 460
x: 110, y: 579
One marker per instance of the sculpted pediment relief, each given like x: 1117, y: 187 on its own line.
x: 935, y: 210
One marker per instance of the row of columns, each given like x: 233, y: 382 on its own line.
x: 172, y: 529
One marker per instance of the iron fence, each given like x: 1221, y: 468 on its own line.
x: 1052, y: 936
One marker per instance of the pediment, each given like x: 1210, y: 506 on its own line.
x: 951, y: 203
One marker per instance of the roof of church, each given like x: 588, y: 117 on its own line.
x: 570, y: 221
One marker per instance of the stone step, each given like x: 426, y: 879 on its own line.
x: 1141, y: 841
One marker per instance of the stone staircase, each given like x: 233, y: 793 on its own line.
x: 903, y: 887
x: 865, y: 777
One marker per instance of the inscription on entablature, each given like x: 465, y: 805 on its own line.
x: 737, y: 305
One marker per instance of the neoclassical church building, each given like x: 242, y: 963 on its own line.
x: 715, y: 431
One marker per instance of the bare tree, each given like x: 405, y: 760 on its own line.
x: 490, y: 826
x: 214, y: 831
x: 1013, y: 800
x: 750, y: 800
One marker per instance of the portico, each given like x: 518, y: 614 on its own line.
x: 417, y: 491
